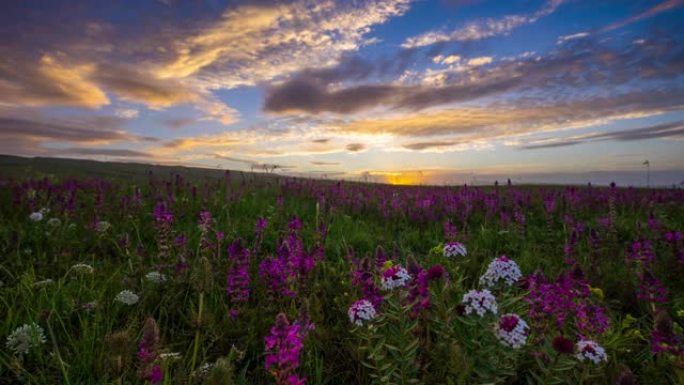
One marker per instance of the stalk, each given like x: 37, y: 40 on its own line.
x: 197, y: 332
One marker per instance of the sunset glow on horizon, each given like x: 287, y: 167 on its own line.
x: 394, y: 91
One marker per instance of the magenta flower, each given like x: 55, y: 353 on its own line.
x: 283, y: 347
x: 237, y: 278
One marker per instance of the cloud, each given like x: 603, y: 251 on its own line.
x: 179, y: 122
x: 658, y: 131
x: 257, y: 43
x: 579, y: 35
x: 322, y: 163
x: 479, y: 61
x: 321, y: 141
x: 51, y: 81
x: 566, y: 70
x: 124, y: 153
x: 482, y: 29
x: 127, y: 113
x: 518, y: 117
x: 656, y: 9
x: 355, y: 147
x: 92, y: 130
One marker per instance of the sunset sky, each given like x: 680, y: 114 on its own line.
x: 447, y: 91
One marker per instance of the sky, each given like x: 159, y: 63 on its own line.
x: 403, y: 92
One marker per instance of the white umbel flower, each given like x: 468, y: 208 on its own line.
x: 501, y: 269
x: 155, y: 277
x: 592, y: 351
x: 24, y: 338
x: 36, y: 216
x: 127, y: 297
x: 511, y: 330
x: 394, y: 277
x: 54, y: 222
x: 361, y: 311
x: 82, y: 268
x: 454, y: 249
x: 479, y: 302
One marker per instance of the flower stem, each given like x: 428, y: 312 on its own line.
x: 197, y: 332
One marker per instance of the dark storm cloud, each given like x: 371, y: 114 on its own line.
x: 665, y: 130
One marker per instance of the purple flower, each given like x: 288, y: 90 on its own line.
x: 237, y: 278
x: 283, y: 347
x: 156, y: 374
x: 162, y: 214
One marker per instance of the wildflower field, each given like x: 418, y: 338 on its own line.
x: 167, y: 277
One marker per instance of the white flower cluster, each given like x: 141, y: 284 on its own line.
x: 102, y: 226
x: 394, y: 277
x: 155, y: 277
x: 455, y: 249
x: 479, y: 302
x: 590, y: 350
x: 511, y: 330
x: 127, y: 297
x: 83, y: 268
x: 38, y: 215
x: 43, y: 283
x: 499, y: 269
x: 54, y: 222
x: 24, y: 338
x: 360, y: 311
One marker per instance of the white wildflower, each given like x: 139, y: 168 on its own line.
x: 83, y: 268
x: 512, y: 330
x: 479, y: 302
x: 590, y: 350
x: 394, y: 277
x: 44, y: 282
x: 454, y: 249
x: 127, y: 297
x: 155, y: 277
x: 360, y: 311
x: 54, y: 222
x: 102, y: 226
x: 36, y: 216
x: 24, y: 338
x: 499, y: 269
x: 170, y: 356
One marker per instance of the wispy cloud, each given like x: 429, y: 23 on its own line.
x: 482, y: 29
x: 665, y: 130
x: 650, y: 12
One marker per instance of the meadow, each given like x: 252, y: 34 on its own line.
x: 116, y: 274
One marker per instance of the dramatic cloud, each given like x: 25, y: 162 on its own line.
x: 482, y: 29
x: 519, y: 118
x: 252, y: 44
x: 584, y: 64
x: 49, y: 81
x: 665, y: 130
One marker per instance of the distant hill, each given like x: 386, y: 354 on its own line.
x: 15, y: 166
